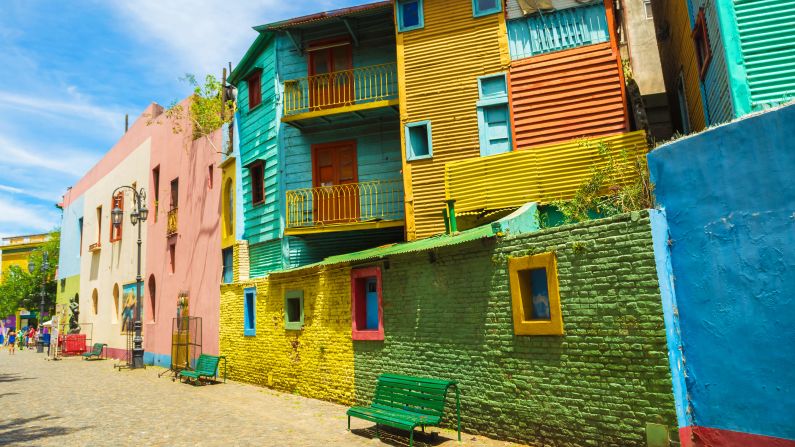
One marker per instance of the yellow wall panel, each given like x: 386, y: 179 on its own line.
x: 316, y: 361
x: 541, y: 174
x: 439, y: 66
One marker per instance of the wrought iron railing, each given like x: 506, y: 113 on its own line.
x: 171, y: 226
x: 341, y: 88
x: 349, y: 203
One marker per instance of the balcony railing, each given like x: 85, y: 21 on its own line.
x: 171, y: 226
x: 341, y: 88
x: 345, y: 204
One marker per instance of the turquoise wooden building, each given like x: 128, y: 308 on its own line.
x: 318, y: 120
x: 745, y: 54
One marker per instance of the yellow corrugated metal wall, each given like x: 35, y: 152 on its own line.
x: 439, y: 66
x: 678, y: 53
x: 540, y: 174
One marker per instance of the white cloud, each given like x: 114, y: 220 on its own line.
x: 201, y: 37
x: 52, y: 196
x: 18, y: 219
x: 75, y: 107
x: 64, y: 160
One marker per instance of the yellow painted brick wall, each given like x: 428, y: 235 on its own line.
x: 317, y: 361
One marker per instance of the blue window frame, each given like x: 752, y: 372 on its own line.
x: 409, y: 15
x: 494, y: 116
x: 485, y: 7
x: 250, y: 311
x: 227, y: 256
x: 419, y: 143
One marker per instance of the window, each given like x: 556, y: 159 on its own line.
x: 99, y: 225
x: 174, y: 194
x: 115, y: 316
x: 409, y: 14
x: 494, y: 118
x: 256, y: 172
x: 485, y: 7
x: 95, y: 301
x: 534, y: 295
x: 684, y: 115
x: 367, y: 304
x: 418, y: 141
x: 115, y: 230
x: 294, y: 310
x: 250, y: 311
x: 152, y: 297
x: 701, y: 40
x: 210, y: 177
x: 254, y: 84
x: 156, y: 188
x: 172, y: 257
x: 649, y: 11
x: 80, y: 229
x: 227, y: 256
x: 229, y: 206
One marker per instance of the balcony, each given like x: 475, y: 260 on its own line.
x: 353, y: 206
x: 540, y: 174
x: 171, y: 225
x: 359, y: 90
x: 95, y: 247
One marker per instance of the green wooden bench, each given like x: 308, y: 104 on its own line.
x: 406, y: 403
x: 206, y: 367
x: 95, y: 352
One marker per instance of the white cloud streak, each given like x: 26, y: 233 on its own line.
x: 66, y: 161
x: 73, y: 108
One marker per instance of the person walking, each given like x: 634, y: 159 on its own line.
x: 12, y: 338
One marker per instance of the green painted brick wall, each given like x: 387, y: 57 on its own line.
x: 597, y: 385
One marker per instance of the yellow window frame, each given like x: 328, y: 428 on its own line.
x: 553, y: 326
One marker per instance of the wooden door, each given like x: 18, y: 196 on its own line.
x: 331, y: 75
x: 335, y: 178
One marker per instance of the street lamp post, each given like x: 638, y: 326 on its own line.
x: 138, y: 215
x: 45, y: 265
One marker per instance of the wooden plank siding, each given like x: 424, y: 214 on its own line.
x: 567, y: 94
x: 539, y: 174
x: 678, y: 54
x: 258, y: 129
x: 716, y: 82
x: 439, y: 66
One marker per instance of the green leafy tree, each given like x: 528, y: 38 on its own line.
x: 21, y: 289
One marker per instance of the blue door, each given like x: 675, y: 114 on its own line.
x: 372, y: 303
x: 497, y: 129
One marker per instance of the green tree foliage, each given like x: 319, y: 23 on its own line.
x: 607, y: 191
x: 207, y: 111
x: 21, y: 289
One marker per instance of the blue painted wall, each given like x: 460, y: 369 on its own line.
x: 69, y: 256
x: 729, y: 197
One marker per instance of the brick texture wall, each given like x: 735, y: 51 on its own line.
x: 317, y: 361
x: 597, y: 385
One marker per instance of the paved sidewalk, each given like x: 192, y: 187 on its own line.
x: 88, y: 403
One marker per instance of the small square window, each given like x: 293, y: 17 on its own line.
x: 410, y: 15
x: 227, y: 256
x: 366, y: 304
x: 701, y: 41
x: 648, y: 8
x: 250, y: 311
x: 493, y: 86
x: 534, y: 295
x: 294, y: 310
x: 485, y: 7
x: 418, y: 141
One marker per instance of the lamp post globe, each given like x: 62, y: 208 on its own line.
x: 143, y: 213
x: 117, y: 216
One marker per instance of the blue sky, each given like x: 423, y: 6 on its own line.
x: 69, y: 71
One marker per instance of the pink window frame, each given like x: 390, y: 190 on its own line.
x: 358, y: 294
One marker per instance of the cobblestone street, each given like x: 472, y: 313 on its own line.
x: 88, y: 403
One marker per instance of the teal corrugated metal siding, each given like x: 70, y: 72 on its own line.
x: 311, y: 249
x: 258, y: 137
x: 265, y: 257
x: 559, y: 30
x: 767, y: 38
x: 716, y: 83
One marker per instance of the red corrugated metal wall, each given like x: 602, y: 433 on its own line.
x: 567, y: 94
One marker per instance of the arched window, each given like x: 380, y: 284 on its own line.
x: 229, y: 207
x: 152, y: 294
x: 115, y: 316
x: 94, y: 301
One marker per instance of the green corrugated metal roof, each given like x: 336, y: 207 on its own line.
x: 522, y: 221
